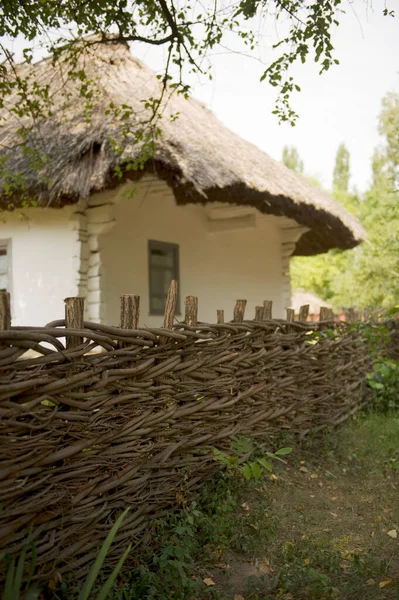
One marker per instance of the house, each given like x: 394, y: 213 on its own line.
x: 208, y: 208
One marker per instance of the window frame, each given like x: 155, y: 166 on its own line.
x: 158, y: 245
x: 6, y: 245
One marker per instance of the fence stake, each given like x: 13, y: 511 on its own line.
x: 258, y: 313
x: 220, y: 315
x: 74, y: 319
x: 5, y: 311
x: 290, y: 315
x: 191, y: 311
x: 304, y: 312
x: 130, y: 311
x: 267, y: 310
x: 239, y: 311
x: 170, y: 308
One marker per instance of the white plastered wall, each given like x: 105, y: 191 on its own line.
x: 226, y: 252
x: 99, y: 252
x: 45, y: 253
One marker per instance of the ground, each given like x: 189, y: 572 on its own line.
x: 322, y: 526
x: 329, y: 520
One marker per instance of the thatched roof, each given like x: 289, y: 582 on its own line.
x: 196, y: 154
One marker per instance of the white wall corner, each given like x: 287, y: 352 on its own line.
x: 290, y: 234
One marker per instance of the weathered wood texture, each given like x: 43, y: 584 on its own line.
x: 5, y: 311
x: 220, y: 315
x: 191, y: 312
x: 74, y: 317
x: 171, y: 305
x: 85, y: 434
x: 267, y: 310
x: 130, y: 311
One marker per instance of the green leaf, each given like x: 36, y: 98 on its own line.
x: 256, y: 469
x: 266, y: 464
x: 283, y: 451
x: 247, y: 471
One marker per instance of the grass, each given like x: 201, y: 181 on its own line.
x: 320, y: 527
x: 336, y: 505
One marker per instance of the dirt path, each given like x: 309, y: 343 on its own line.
x: 331, y: 519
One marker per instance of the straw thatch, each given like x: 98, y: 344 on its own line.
x: 201, y: 160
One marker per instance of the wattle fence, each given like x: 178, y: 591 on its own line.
x: 86, y: 433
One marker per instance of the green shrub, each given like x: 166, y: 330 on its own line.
x: 384, y: 381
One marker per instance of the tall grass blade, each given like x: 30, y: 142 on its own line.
x: 19, y: 574
x: 95, y: 568
x: 111, y: 579
x: 32, y: 565
x: 8, y: 591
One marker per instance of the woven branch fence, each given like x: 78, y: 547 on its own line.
x: 86, y: 433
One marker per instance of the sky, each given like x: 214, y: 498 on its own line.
x: 341, y: 105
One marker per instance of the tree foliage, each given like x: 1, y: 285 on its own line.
x: 367, y: 276
x: 341, y: 170
x: 189, y: 30
x: 291, y: 159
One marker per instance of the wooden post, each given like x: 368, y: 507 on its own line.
x: 323, y: 313
x: 258, y: 313
x: 220, y: 315
x: 170, y: 307
x: 5, y: 311
x: 267, y: 310
x: 74, y: 319
x: 290, y: 315
x: 239, y: 311
x: 130, y: 311
x: 352, y: 315
x: 304, y: 312
x: 191, y: 311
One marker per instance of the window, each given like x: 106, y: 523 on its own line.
x: 163, y: 267
x: 4, y: 267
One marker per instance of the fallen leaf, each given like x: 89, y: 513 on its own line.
x: 265, y: 567
x: 253, y: 526
x: 372, y: 534
x: 301, y: 462
x: 314, y: 476
x: 383, y: 583
x: 238, y: 597
x: 288, y: 596
x: 303, y: 470
x: 393, y: 534
x: 311, y: 495
x: 378, y: 519
x: 273, y: 476
x: 245, y: 506
x: 334, y: 515
x: 370, y: 581
x: 222, y: 566
x: 208, y: 581
x: 334, y: 498
x: 386, y: 511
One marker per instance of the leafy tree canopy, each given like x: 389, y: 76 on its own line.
x: 291, y: 159
x: 189, y: 30
x: 367, y: 276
